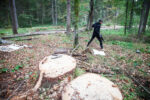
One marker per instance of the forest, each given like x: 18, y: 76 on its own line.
x: 74, y: 50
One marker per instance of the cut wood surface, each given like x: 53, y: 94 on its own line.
x: 91, y: 87
x: 55, y: 66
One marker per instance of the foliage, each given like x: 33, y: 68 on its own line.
x: 78, y: 72
x: 16, y: 68
x: 25, y: 20
x: 3, y: 70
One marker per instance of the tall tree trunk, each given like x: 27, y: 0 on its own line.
x: 144, y: 17
x: 43, y: 12
x: 126, y: 17
x: 90, y: 16
x: 55, y: 10
x: 131, y: 15
x: 68, y: 17
x: 53, y: 16
x: 76, y: 12
x: 13, y: 16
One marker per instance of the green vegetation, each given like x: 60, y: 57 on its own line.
x: 16, y: 68
x: 78, y: 72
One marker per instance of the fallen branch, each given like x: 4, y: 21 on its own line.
x: 136, y: 81
x: 16, y: 90
x: 25, y: 39
x: 28, y: 34
x: 95, y: 70
x: 74, y: 49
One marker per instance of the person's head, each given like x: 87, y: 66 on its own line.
x: 100, y: 21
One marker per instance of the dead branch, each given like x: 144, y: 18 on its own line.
x: 14, y: 92
x: 95, y: 70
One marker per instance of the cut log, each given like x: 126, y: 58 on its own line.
x: 91, y: 87
x: 21, y: 35
x: 30, y: 34
x: 25, y: 39
x: 55, y: 66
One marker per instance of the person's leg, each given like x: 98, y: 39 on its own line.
x: 100, y: 40
x: 93, y: 36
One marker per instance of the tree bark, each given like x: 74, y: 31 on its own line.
x: 76, y: 12
x: 126, y: 17
x: 55, y: 10
x: 43, y: 12
x: 90, y: 16
x: 13, y: 16
x: 131, y: 15
x: 144, y: 17
x: 53, y: 16
x: 68, y: 17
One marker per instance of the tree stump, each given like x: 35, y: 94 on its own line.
x: 55, y: 66
x: 91, y: 87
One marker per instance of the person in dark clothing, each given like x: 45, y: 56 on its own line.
x: 96, y: 33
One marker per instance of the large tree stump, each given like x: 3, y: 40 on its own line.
x: 91, y: 87
x: 55, y: 66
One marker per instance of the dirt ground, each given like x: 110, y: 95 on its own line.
x: 119, y: 61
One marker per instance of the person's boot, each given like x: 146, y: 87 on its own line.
x: 101, y: 47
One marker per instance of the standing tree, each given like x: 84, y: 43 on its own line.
x: 131, y: 15
x: 144, y: 17
x: 43, y: 11
x: 126, y: 17
x: 90, y: 16
x: 76, y: 12
x: 13, y: 16
x: 68, y: 17
x: 54, y: 12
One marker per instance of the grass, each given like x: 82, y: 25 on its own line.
x: 119, y: 32
x: 8, y: 31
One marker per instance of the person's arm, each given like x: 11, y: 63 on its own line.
x: 93, y: 25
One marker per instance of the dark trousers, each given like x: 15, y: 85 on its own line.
x: 100, y: 39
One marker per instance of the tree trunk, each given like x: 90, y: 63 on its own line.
x: 43, y: 12
x: 131, y: 15
x: 126, y: 17
x: 76, y: 11
x: 144, y: 17
x: 90, y: 17
x: 55, y: 11
x: 68, y: 17
x: 13, y: 16
x: 53, y: 16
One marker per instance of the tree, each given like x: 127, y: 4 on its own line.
x: 68, y: 17
x: 54, y: 12
x: 90, y: 16
x: 126, y: 17
x: 76, y: 12
x: 13, y: 16
x: 144, y: 17
x: 131, y: 15
x: 43, y: 11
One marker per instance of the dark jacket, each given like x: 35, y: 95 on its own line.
x: 96, y: 27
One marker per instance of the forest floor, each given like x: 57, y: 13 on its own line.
x: 128, y: 69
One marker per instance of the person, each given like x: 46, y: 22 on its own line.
x: 96, y: 33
